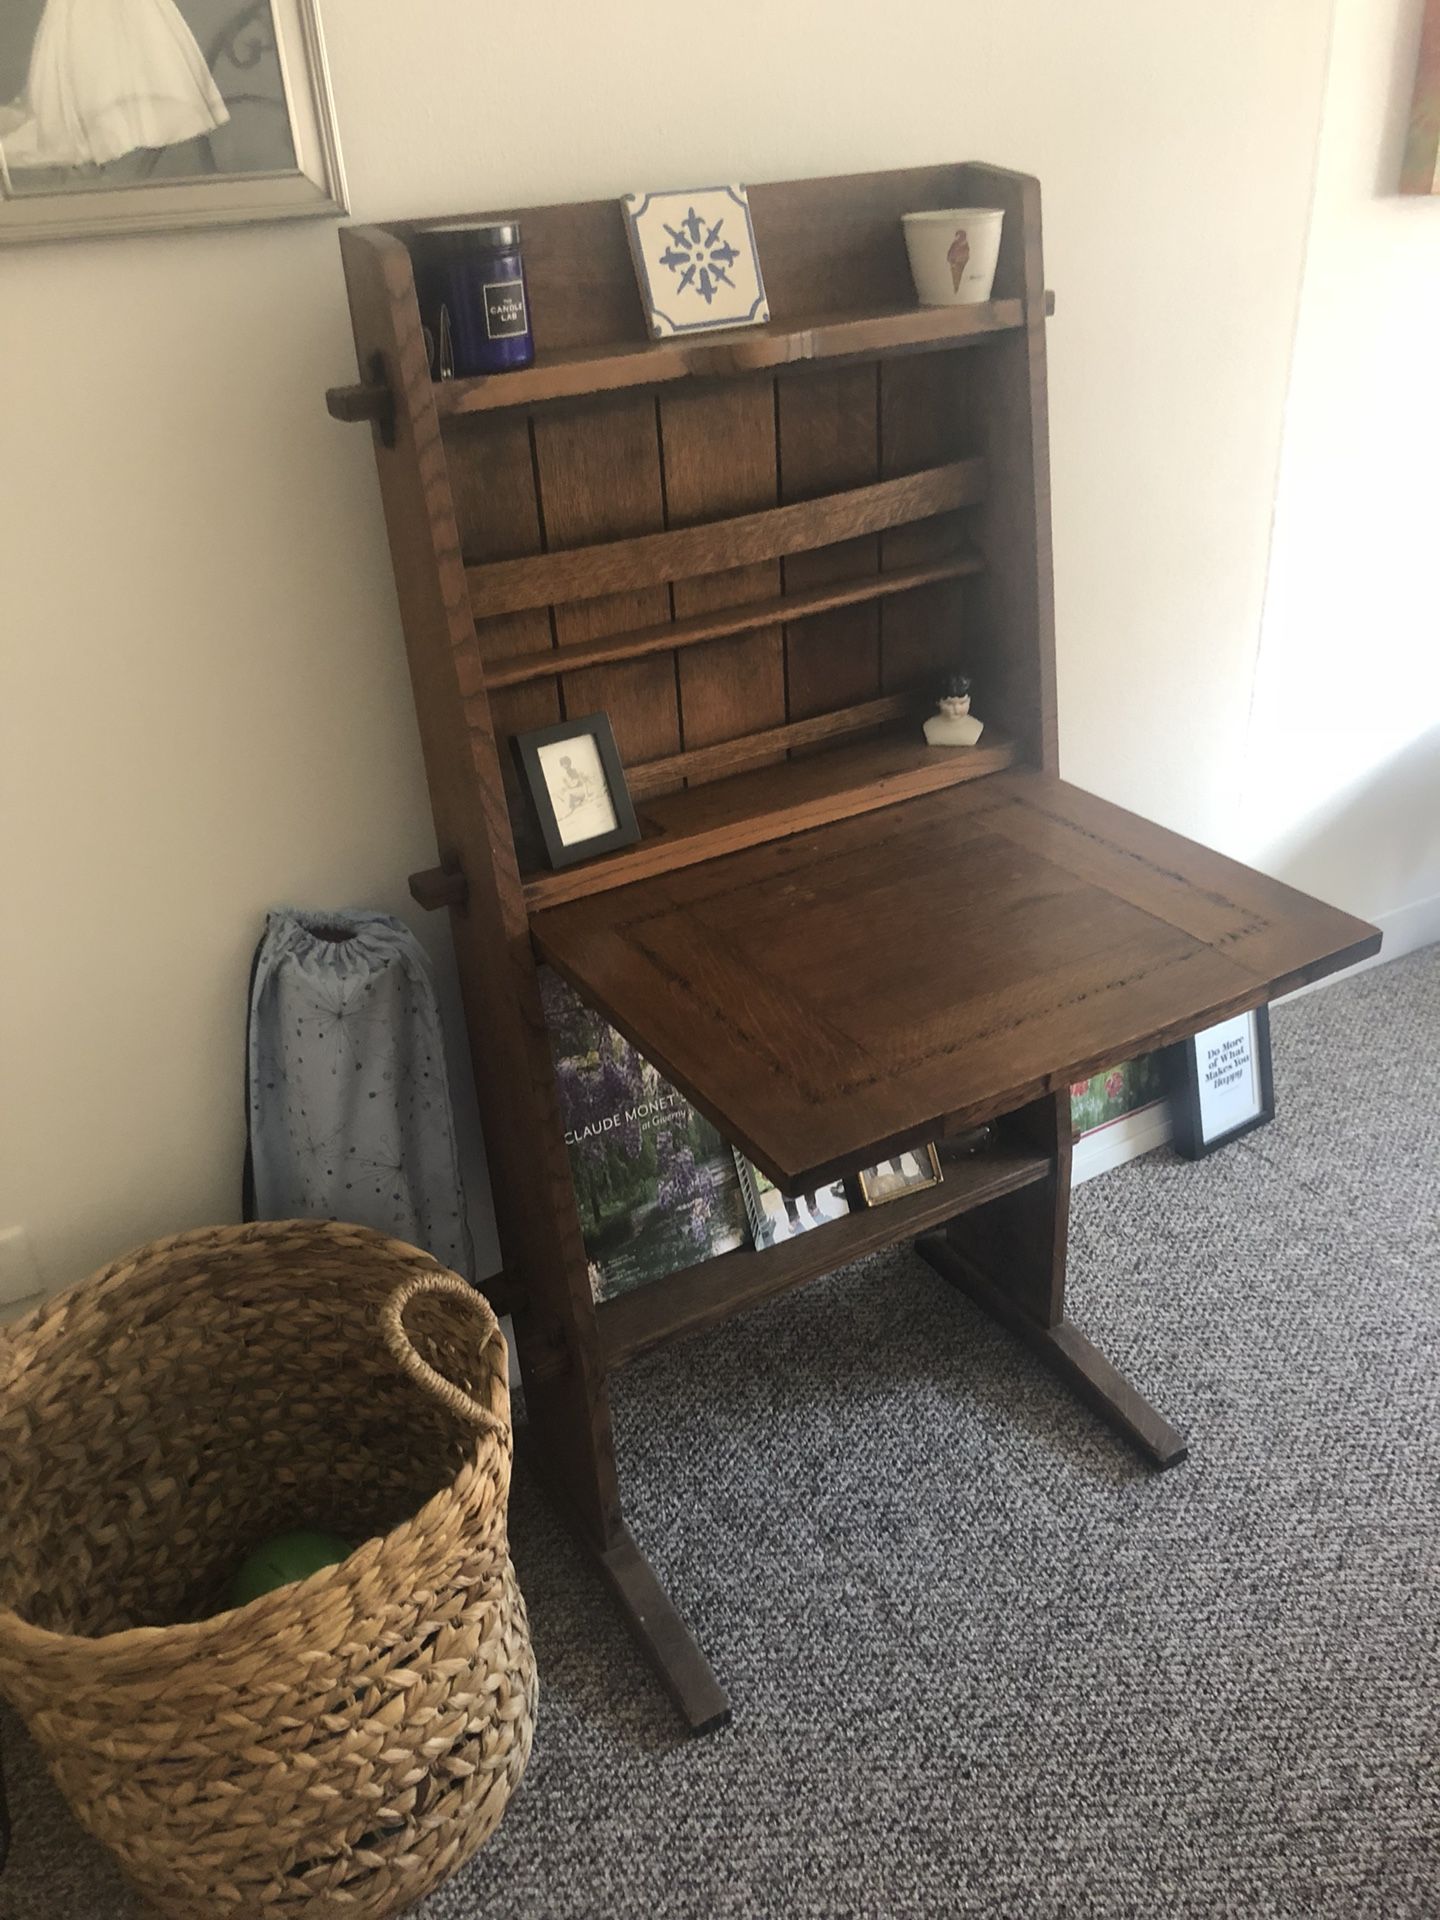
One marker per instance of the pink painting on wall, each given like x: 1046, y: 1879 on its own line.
x: 1420, y: 172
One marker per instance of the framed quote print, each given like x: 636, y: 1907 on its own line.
x: 1223, y: 1083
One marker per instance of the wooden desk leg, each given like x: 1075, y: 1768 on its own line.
x: 1009, y: 1257
x: 663, y: 1636
x: 651, y: 1615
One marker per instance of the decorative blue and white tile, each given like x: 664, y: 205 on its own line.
x: 695, y: 259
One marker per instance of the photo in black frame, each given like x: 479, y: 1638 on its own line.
x: 1222, y: 1084
x: 577, y: 786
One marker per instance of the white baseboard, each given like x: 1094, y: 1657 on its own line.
x: 1404, y: 931
x: 1121, y: 1140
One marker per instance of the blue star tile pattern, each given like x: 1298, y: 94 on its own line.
x: 699, y: 256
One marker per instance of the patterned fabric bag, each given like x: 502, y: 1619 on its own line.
x: 349, y: 1103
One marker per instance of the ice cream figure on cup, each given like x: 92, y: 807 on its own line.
x: 953, y: 724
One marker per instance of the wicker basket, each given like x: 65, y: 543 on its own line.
x: 338, y: 1746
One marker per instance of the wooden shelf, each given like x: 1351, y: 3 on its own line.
x: 773, y: 803
x: 703, y: 1296
x: 655, y: 559
x: 771, y: 745
x: 515, y: 669
x: 576, y: 372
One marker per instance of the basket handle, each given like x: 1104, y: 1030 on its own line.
x: 402, y: 1349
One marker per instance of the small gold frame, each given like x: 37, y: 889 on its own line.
x: 878, y: 1186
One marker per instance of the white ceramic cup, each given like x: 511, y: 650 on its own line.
x: 953, y: 251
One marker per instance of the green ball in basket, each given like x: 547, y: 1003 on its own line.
x: 283, y: 1558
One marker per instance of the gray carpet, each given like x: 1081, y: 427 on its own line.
x: 982, y: 1661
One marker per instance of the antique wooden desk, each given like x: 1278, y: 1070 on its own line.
x: 758, y: 552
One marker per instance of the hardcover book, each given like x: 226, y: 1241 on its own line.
x: 776, y: 1216
x: 656, y: 1186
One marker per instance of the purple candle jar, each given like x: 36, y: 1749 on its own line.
x: 478, y: 310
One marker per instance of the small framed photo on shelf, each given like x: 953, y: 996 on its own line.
x: 577, y: 784
x: 908, y: 1172
x: 1222, y: 1084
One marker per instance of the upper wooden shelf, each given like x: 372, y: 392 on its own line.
x: 571, y: 373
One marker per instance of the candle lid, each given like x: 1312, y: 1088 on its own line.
x: 503, y: 234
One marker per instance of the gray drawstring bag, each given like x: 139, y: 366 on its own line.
x: 349, y: 1104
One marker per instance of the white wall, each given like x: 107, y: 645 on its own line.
x: 205, y: 708
x: 1343, y: 767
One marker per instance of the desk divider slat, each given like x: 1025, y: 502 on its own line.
x: 620, y: 566
x: 754, y: 615
x: 753, y: 749
x: 718, y: 448
x: 492, y: 486
x: 926, y: 417
x: 829, y: 439
x: 597, y: 476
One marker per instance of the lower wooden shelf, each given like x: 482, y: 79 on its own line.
x: 702, y: 1296
x: 772, y: 803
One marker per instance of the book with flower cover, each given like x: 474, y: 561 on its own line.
x: 656, y: 1185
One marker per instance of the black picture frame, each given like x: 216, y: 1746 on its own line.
x: 528, y: 750
x: 1186, y: 1101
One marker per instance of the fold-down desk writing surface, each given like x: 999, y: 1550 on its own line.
x: 882, y: 980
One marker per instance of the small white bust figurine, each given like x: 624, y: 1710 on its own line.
x: 954, y: 725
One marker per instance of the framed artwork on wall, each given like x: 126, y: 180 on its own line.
x: 132, y: 116
x: 1223, y: 1083
x: 1420, y: 171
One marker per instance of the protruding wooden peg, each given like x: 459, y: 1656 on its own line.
x: 439, y: 887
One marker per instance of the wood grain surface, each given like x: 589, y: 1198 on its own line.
x: 719, y: 449
x: 727, y: 618
x: 828, y: 430
x: 535, y: 1211
x: 615, y: 566
x: 576, y: 373
x: 598, y: 477
x: 833, y: 996
x: 702, y: 1296
x: 773, y: 803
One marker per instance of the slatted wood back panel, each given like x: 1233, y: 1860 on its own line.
x: 603, y: 470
